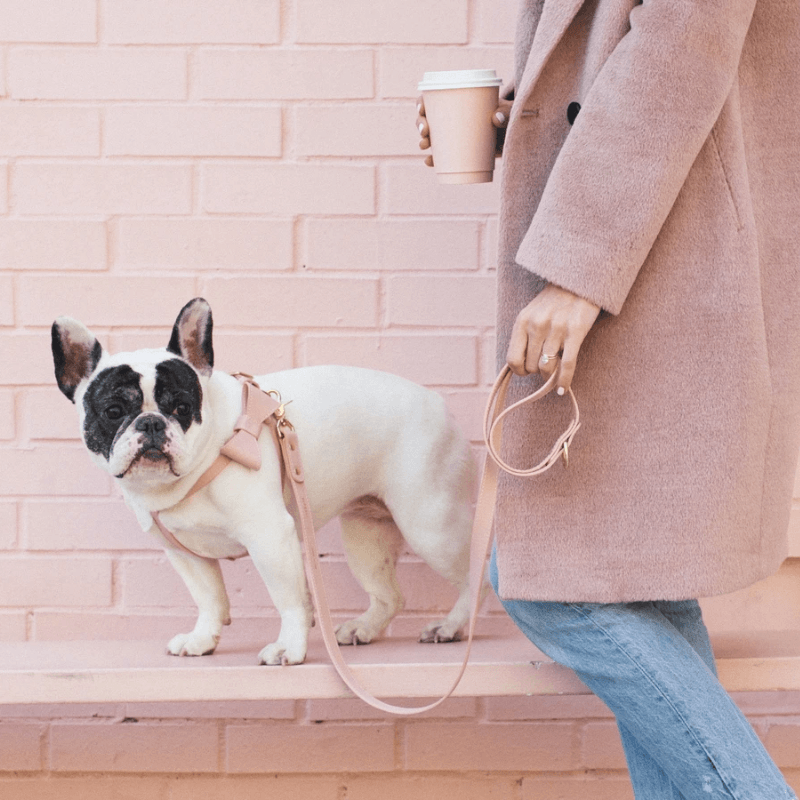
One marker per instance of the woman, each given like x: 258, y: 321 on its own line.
x: 648, y: 223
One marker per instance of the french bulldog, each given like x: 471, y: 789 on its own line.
x: 379, y: 452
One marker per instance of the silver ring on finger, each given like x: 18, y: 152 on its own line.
x: 546, y: 359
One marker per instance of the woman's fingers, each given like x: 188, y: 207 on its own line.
x: 524, y: 348
x: 566, y: 369
x: 422, y: 125
x: 554, y: 322
x: 502, y: 114
x: 424, y: 131
x: 549, y: 357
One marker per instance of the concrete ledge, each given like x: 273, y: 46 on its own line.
x: 111, y: 672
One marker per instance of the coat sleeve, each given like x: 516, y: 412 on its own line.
x: 642, y: 124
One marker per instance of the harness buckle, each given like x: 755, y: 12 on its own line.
x: 281, y: 422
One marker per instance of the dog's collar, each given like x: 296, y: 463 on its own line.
x: 259, y: 408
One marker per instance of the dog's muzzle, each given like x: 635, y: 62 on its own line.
x: 152, y: 430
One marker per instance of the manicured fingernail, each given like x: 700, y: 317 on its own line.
x: 500, y: 117
x: 560, y: 390
x: 422, y: 127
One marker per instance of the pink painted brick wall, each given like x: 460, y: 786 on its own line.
x: 261, y: 153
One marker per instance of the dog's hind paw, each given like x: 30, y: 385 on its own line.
x: 277, y: 654
x: 438, y: 632
x: 192, y: 644
x: 353, y: 633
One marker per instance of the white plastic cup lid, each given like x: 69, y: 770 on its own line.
x: 458, y: 79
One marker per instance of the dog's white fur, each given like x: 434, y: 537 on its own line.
x: 380, y: 452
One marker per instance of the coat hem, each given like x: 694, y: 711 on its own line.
x: 696, y: 591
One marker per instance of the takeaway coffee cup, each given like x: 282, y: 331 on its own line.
x: 459, y: 106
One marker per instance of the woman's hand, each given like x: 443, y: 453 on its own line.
x: 424, y: 130
x: 555, y: 321
x: 499, y: 120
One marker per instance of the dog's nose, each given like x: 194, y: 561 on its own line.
x: 151, y: 424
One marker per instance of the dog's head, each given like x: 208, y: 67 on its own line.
x: 142, y: 413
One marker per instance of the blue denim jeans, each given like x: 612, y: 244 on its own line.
x: 652, y: 665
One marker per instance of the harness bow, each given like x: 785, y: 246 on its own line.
x: 259, y: 408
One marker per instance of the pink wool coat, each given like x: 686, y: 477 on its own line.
x: 652, y: 166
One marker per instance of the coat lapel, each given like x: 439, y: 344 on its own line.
x: 555, y: 19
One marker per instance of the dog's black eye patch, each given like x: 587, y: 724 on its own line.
x: 178, y: 393
x: 112, y: 401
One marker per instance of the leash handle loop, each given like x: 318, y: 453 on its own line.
x: 496, y: 414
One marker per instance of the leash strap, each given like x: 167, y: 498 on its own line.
x: 481, y: 543
x: 480, y: 548
x: 478, y: 555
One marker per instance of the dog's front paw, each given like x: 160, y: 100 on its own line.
x: 355, y: 632
x: 192, y: 644
x: 280, y: 654
x: 440, y: 632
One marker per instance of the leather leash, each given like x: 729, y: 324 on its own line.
x: 246, y: 447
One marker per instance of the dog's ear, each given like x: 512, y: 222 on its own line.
x: 76, y: 354
x: 191, y: 336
